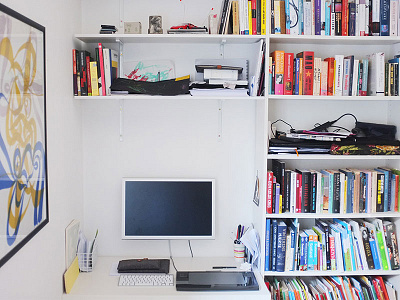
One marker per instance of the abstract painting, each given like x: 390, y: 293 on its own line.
x: 23, y: 162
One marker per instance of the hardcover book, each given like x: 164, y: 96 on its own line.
x: 288, y: 75
x: 278, y: 57
x: 308, y: 71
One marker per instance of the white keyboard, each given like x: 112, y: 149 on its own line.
x: 147, y: 279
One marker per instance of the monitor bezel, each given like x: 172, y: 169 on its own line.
x: 173, y: 237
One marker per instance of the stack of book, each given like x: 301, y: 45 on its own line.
x: 335, y: 17
x: 306, y: 74
x: 336, y: 245
x: 332, y: 287
x: 345, y: 190
x: 89, y: 73
x: 108, y: 29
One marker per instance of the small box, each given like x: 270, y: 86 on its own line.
x: 132, y: 27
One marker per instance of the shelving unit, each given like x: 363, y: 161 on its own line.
x: 301, y: 111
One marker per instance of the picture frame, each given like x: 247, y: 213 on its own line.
x: 24, y: 207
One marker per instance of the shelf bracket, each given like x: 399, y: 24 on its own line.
x: 121, y: 15
x: 219, y: 133
x: 121, y: 120
x: 222, y: 49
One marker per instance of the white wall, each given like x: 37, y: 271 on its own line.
x: 35, y: 272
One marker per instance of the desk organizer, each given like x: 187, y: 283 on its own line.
x: 87, y: 260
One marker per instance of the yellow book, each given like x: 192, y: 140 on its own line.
x: 263, y: 17
x: 71, y: 275
x: 250, y: 18
x: 94, y: 79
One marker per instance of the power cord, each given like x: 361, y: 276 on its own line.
x: 170, y: 255
x: 190, y: 247
x: 326, y: 125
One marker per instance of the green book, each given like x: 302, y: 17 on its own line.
x: 382, y: 250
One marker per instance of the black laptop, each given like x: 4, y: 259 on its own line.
x: 215, y: 281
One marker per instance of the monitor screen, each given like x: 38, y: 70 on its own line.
x: 168, y: 208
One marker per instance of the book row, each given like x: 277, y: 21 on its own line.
x: 243, y: 17
x: 306, y: 74
x: 342, y: 191
x: 90, y: 72
x: 336, y: 245
x: 331, y: 288
x: 335, y: 17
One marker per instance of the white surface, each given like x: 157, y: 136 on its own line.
x: 100, y: 285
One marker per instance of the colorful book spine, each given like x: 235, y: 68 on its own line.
x: 288, y: 74
x: 278, y: 57
x: 274, y: 226
x: 317, y: 16
x: 384, y: 17
x: 101, y: 62
x: 281, y: 247
x: 308, y: 71
x: 270, y: 176
x: 297, y: 76
x: 267, y: 244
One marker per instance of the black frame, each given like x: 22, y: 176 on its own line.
x: 36, y: 228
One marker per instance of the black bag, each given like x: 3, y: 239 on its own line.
x: 143, y: 266
x: 169, y: 87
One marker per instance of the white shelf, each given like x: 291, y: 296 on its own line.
x: 334, y: 40
x: 149, y: 97
x: 331, y: 157
x: 333, y: 273
x: 333, y: 98
x: 331, y: 216
x: 170, y: 38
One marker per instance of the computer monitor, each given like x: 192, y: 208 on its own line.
x: 168, y: 208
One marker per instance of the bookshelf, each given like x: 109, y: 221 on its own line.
x: 301, y: 111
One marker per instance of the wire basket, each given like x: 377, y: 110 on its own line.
x: 87, y: 260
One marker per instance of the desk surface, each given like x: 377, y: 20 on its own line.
x: 100, y: 285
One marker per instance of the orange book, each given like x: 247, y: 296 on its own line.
x: 331, y: 75
x: 278, y: 56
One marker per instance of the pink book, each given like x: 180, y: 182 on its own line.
x: 103, y: 86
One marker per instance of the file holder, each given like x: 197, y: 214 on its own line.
x: 87, y: 260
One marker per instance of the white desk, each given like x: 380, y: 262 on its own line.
x: 100, y: 285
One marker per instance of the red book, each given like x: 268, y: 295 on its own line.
x: 270, y: 179
x: 298, y: 192
x: 383, y: 287
x: 75, y: 74
x: 89, y: 79
x: 331, y: 74
x: 288, y: 75
x: 396, y: 193
x: 345, y: 17
x: 103, y: 86
x: 254, y: 17
x: 308, y: 71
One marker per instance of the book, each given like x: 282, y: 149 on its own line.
x: 376, y: 74
x: 270, y: 176
x: 367, y: 248
x: 331, y: 75
x: 267, y: 244
x: 254, y: 15
x: 107, y: 70
x: 274, y: 236
x: 88, y: 75
x: 308, y: 71
x: 224, y: 16
x: 83, y: 74
x: 307, y: 17
x: 235, y: 17
x: 339, y: 71
x: 317, y: 76
x: 288, y: 73
x: 391, y: 244
x: 101, y: 74
x: 278, y: 56
x: 305, y: 190
x: 76, y: 84
x: 324, y: 78
x: 94, y: 78
x: 384, y: 18
x: 281, y: 246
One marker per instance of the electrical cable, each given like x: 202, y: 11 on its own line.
x: 190, y: 247
x: 170, y: 255
x: 280, y: 120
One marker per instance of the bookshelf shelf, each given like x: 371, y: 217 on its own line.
x: 334, y: 40
x: 331, y: 216
x: 133, y: 97
x: 333, y: 98
x: 334, y: 273
x: 170, y: 38
x: 331, y: 157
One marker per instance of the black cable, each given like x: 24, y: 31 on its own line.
x: 190, y: 247
x: 280, y: 120
x: 170, y: 255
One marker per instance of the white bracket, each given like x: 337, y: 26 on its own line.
x: 219, y: 137
x: 121, y: 15
x: 222, y: 49
x: 121, y: 120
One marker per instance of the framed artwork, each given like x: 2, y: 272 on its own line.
x: 23, y: 152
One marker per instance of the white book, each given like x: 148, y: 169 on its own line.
x: 338, y: 247
x: 324, y: 78
x: 357, y: 233
x: 318, y: 208
x: 317, y: 76
x: 312, y: 17
x: 376, y: 76
x: 339, y: 61
x: 332, y: 19
x: 376, y: 13
x: 357, y: 17
x: 307, y: 14
x: 361, y: 22
x: 367, y: 9
x: 294, y: 7
x: 323, y: 23
x: 346, y: 76
x: 257, y: 75
x: 394, y: 17
x: 343, y: 195
x: 107, y: 70
x: 293, y: 192
x: 355, y: 78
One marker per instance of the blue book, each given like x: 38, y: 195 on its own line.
x: 327, y: 17
x: 387, y: 193
x: 347, y: 229
x: 385, y: 18
x: 287, y: 16
x: 352, y: 19
x: 267, y: 244
x: 311, y: 252
x: 297, y: 76
x: 300, y: 18
x: 303, y: 253
x: 274, y: 237
x: 294, y: 240
x: 281, y: 247
x: 277, y: 197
